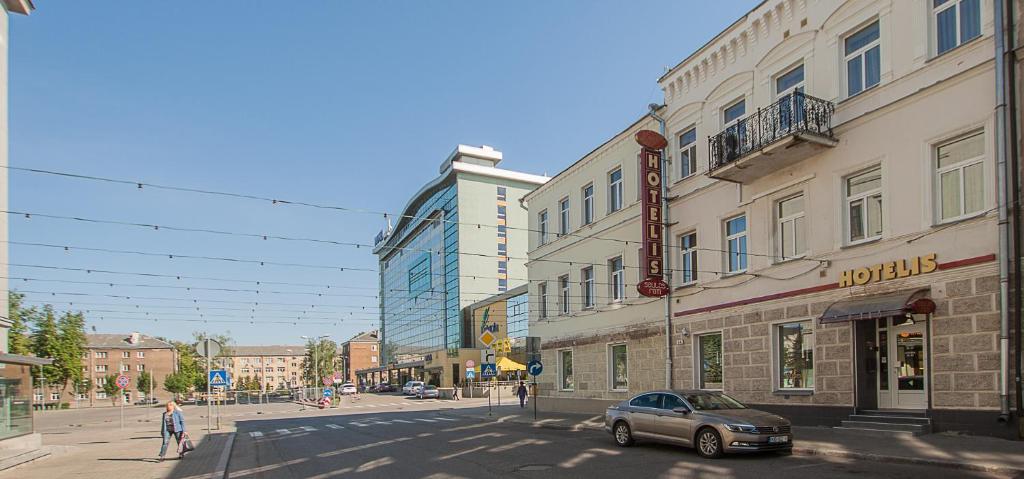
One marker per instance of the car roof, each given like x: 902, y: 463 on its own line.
x: 678, y: 391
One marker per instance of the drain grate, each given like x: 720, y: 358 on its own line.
x: 534, y: 467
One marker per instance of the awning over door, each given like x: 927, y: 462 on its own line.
x: 878, y: 306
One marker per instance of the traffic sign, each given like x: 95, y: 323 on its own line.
x: 470, y: 374
x: 470, y: 363
x: 328, y: 392
x: 123, y: 381
x: 488, y: 370
x: 219, y: 377
x: 487, y: 338
x: 215, y: 349
x: 328, y: 380
x: 534, y: 368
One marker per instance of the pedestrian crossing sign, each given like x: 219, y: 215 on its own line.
x: 219, y: 377
x: 488, y: 370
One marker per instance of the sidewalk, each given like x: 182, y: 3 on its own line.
x: 975, y: 453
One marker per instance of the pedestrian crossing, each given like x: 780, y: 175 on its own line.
x: 352, y: 424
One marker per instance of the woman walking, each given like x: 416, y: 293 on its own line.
x: 455, y: 391
x: 521, y: 392
x: 171, y: 425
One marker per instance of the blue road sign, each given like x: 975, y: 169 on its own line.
x: 488, y: 370
x: 328, y: 392
x: 219, y: 378
x: 534, y: 368
x: 470, y: 374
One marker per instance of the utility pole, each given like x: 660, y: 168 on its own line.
x: 209, y: 407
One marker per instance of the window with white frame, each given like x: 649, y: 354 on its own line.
x: 615, y: 190
x: 373, y: 359
x: 789, y: 88
x: 709, y: 361
x: 618, y: 278
x: 373, y: 347
x: 731, y: 116
x: 956, y: 22
x: 863, y: 59
x: 587, y: 280
x: 687, y: 153
x: 542, y: 293
x: 101, y: 368
x: 736, y: 244
x: 795, y: 355
x: 140, y: 367
x: 790, y: 228
x: 688, y: 258
x: 864, y: 205
x: 126, y: 354
x: 588, y: 204
x: 542, y: 226
x: 55, y: 396
x: 565, y: 370
x: 140, y: 354
x: 125, y: 368
x: 101, y: 355
x: 101, y: 395
x: 37, y: 397
x: 563, y: 216
x: 960, y: 177
x: 563, y: 294
x: 618, y: 367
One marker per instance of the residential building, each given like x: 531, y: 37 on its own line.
x: 360, y: 352
x: 114, y: 354
x: 834, y: 241
x: 461, y: 238
x: 273, y: 367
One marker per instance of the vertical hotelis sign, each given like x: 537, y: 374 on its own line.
x: 654, y: 284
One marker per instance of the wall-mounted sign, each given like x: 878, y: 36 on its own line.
x: 651, y: 176
x: 886, y: 271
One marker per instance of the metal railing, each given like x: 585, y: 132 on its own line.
x: 794, y: 113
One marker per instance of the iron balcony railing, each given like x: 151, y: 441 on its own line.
x: 794, y: 113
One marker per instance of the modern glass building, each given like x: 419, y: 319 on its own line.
x: 460, y: 239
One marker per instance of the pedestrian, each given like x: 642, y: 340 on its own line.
x: 171, y: 425
x: 521, y: 392
x: 455, y: 391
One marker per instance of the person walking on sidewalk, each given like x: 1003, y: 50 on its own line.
x: 521, y: 392
x: 171, y: 425
x: 455, y: 391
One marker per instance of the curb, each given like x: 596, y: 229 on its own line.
x: 221, y: 471
x: 810, y: 451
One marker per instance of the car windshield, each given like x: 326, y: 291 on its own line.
x: 712, y: 401
x: 431, y: 387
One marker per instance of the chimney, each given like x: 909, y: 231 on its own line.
x: 134, y: 338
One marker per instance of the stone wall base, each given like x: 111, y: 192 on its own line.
x: 573, y: 405
x: 826, y: 416
x: 981, y: 423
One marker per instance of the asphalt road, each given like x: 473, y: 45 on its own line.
x: 425, y: 442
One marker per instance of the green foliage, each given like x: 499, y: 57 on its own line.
x: 81, y: 386
x: 21, y: 319
x: 144, y: 381
x: 71, y: 341
x: 45, y: 343
x: 177, y: 383
x: 59, y: 338
x: 110, y: 387
x: 326, y: 361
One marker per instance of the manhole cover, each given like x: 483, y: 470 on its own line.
x: 534, y: 467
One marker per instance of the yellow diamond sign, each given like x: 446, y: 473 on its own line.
x: 488, y: 338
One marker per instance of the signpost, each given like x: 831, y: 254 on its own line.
x: 328, y: 392
x: 653, y: 285
x: 209, y: 348
x: 488, y: 370
x: 328, y: 380
x: 122, y: 382
x: 535, y: 367
x: 487, y: 338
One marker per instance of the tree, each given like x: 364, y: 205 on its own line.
x: 71, y: 340
x: 144, y: 381
x: 81, y: 386
x: 110, y: 387
x: 326, y: 361
x: 46, y: 344
x: 21, y: 319
x: 177, y: 383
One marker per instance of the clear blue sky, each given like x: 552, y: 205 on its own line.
x: 346, y: 103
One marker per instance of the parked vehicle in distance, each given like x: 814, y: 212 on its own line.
x: 144, y: 402
x: 411, y: 387
x: 385, y: 388
x: 347, y: 388
x: 709, y: 421
x: 428, y: 391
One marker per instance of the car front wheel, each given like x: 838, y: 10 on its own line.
x: 623, y: 436
x: 709, y: 443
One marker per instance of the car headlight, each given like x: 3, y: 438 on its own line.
x: 740, y: 428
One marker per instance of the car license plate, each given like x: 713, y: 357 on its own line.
x: 775, y: 439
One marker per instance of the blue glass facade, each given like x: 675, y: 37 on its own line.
x: 518, y: 316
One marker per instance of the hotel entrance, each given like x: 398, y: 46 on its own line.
x: 902, y: 362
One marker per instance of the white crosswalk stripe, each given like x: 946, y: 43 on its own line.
x: 445, y: 419
x: 358, y: 424
x: 334, y: 426
x: 308, y: 428
x: 424, y: 420
x: 284, y: 431
x: 256, y: 434
x: 403, y: 421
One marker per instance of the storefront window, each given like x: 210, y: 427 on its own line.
x: 710, y: 361
x: 620, y: 372
x: 15, y: 400
x: 566, y: 369
x: 796, y: 355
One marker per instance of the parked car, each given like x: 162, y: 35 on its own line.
x: 411, y: 387
x: 711, y: 422
x: 145, y: 402
x: 385, y: 388
x: 347, y: 388
x: 428, y: 391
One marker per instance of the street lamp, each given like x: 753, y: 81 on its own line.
x: 316, y: 359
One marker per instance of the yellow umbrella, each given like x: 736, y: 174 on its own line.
x: 506, y: 364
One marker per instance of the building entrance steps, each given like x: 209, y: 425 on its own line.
x: 888, y: 422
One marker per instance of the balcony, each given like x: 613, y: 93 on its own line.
x: 790, y: 130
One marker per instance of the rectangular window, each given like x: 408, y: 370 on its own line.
x: 734, y: 111
x: 736, y: 244
x: 788, y: 89
x: 615, y: 190
x: 101, y: 355
x: 688, y: 258
x: 862, y: 55
x: 864, y: 205
x: 795, y: 355
x: 373, y: 347
x: 502, y: 193
x: 588, y: 204
x: 54, y: 396
x: 565, y: 370
x: 140, y: 367
x: 542, y: 226
x: 618, y: 277
x: 542, y: 293
x: 956, y: 22
x: 710, y: 361
x: 563, y: 216
x: 126, y: 354
x: 960, y: 177
x: 125, y: 368
x: 587, y: 275
x: 140, y: 354
x: 373, y: 359
x: 619, y: 367
x: 502, y: 211
x: 101, y: 395
x: 419, y: 275
x: 687, y: 153
x: 101, y: 368
x: 791, y: 228
x: 731, y: 116
x: 563, y: 294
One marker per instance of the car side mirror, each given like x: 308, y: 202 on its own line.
x: 681, y: 410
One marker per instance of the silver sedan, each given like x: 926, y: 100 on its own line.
x: 709, y: 421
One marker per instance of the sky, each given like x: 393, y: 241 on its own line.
x: 351, y: 104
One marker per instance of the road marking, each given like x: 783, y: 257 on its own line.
x: 334, y: 426
x: 255, y: 434
x: 308, y: 428
x: 445, y: 419
x: 358, y: 424
x: 423, y: 420
x: 284, y: 431
x: 402, y: 421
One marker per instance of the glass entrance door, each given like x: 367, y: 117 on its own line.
x: 902, y: 360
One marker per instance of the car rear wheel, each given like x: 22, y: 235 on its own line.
x: 623, y: 435
x: 709, y: 443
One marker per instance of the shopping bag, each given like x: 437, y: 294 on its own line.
x: 186, y: 444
